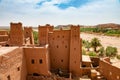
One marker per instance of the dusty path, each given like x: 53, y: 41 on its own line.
x: 105, y: 40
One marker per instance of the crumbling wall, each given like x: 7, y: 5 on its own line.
x: 109, y: 71
x: 11, y: 64
x: 28, y: 33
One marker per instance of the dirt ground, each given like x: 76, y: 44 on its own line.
x: 105, y: 40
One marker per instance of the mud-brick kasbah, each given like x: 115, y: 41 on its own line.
x: 57, y: 56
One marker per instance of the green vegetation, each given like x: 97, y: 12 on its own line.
x: 118, y: 56
x: 95, y: 42
x: 111, y: 51
x: 83, y: 52
x: 35, y: 34
x: 105, y: 31
x: 101, y: 51
x: 98, y: 50
x: 87, y: 45
x: 92, y: 54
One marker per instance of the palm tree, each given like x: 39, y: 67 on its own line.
x: 95, y: 42
x: 87, y: 45
x: 101, y: 51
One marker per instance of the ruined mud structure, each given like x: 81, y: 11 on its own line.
x: 57, y: 56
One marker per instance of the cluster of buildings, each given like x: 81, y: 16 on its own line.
x: 57, y: 56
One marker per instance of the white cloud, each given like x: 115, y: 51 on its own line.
x: 98, y: 11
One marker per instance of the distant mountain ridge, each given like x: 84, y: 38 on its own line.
x: 109, y: 25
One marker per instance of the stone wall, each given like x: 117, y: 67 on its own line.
x: 109, y: 71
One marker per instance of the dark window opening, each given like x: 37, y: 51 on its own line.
x: 62, y: 60
x: 57, y: 46
x: 40, y: 61
x: 75, y: 62
x: 58, y: 36
x: 83, y: 65
x: 36, y: 74
x: 63, y: 36
x: 53, y: 38
x: 18, y: 68
x: 74, y: 48
x: 32, y: 61
x: 66, y: 46
x: 27, y: 33
x: 7, y: 45
x: 8, y: 77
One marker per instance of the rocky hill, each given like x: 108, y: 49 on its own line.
x: 109, y: 25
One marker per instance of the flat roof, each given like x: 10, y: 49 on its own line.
x: 4, y: 50
x: 86, y: 58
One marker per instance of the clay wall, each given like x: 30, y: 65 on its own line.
x: 11, y: 65
x: 109, y: 71
x: 59, y: 43
x: 50, y: 27
x: 46, y: 78
x: 16, y: 34
x: 28, y: 33
x: 75, y: 50
x: 37, y: 60
x: 65, y: 50
x: 43, y: 35
x: 3, y: 36
x: 3, y: 32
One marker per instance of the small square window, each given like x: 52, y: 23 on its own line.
x: 8, y: 77
x: 65, y: 46
x: 32, y: 61
x: 57, y: 46
x: 18, y: 68
x: 62, y: 60
x: 40, y: 61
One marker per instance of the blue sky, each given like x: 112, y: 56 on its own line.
x: 56, y: 12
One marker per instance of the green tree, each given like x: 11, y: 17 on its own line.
x: 87, y: 45
x: 95, y: 42
x: 118, y: 57
x: 83, y: 42
x: 35, y: 34
x: 101, y: 51
x: 92, y: 53
x: 111, y: 51
x: 83, y: 52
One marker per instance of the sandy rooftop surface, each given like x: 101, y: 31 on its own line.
x: 105, y: 40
